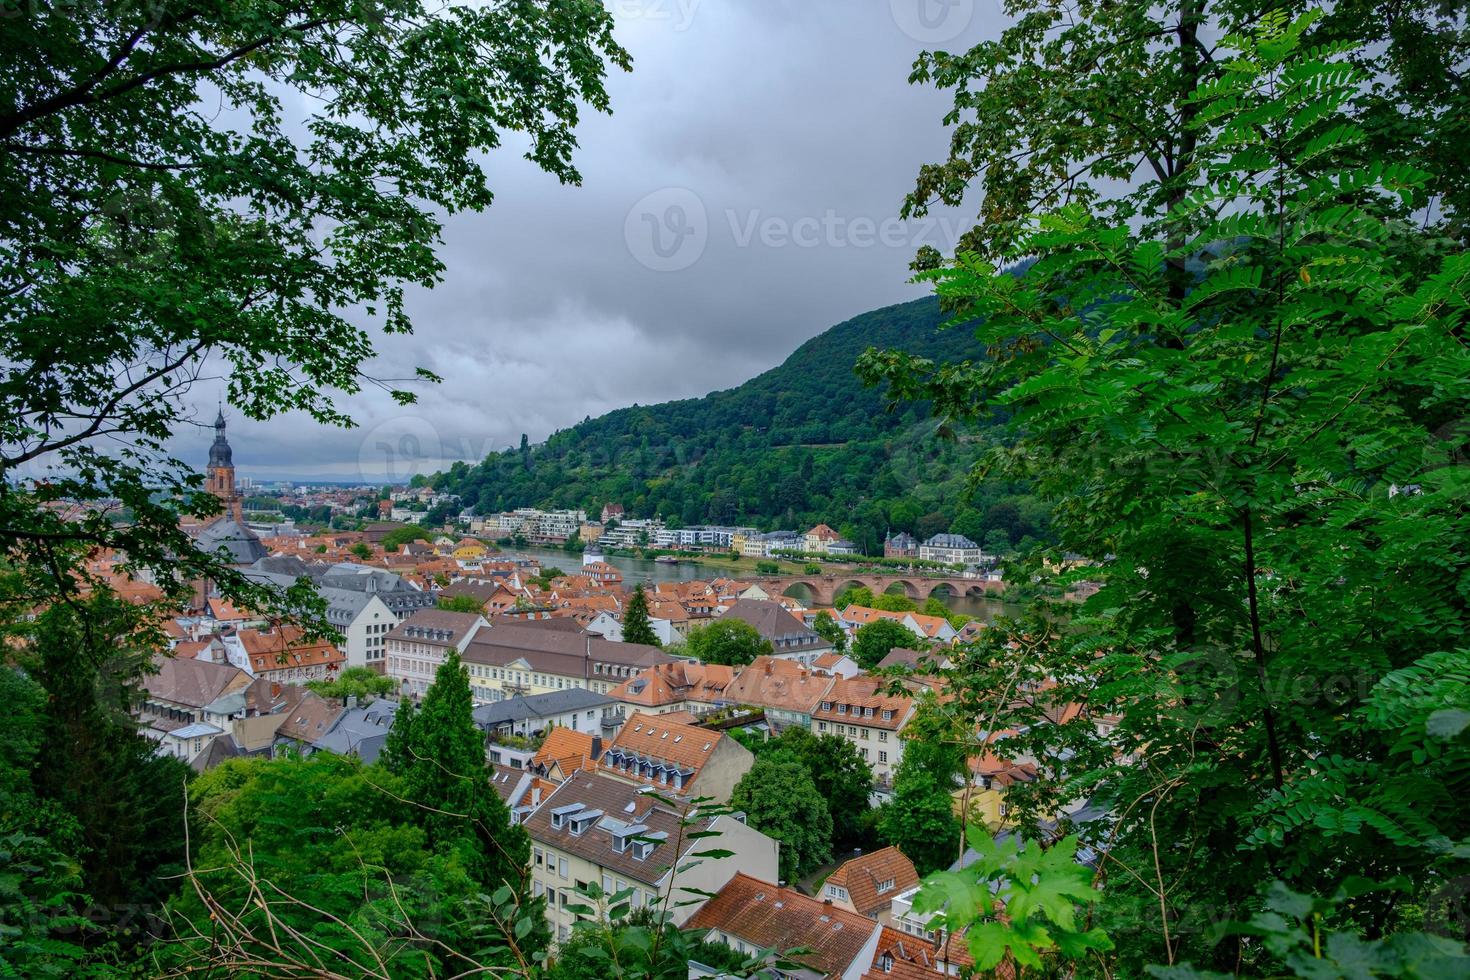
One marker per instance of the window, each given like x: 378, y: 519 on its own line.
x: 882, y: 736
x: 882, y: 756
x: 821, y: 726
x: 536, y: 889
x: 537, y: 854
x: 561, y: 867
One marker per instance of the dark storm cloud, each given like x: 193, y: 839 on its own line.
x: 742, y: 198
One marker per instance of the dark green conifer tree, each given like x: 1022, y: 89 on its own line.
x: 443, y: 755
x: 636, y: 627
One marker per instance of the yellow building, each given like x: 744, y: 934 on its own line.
x: 993, y: 780
x: 468, y: 549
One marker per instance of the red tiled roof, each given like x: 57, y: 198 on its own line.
x: 675, y: 682
x: 856, y: 695
x: 784, y: 685
x: 865, y: 877
x: 771, y: 917
x: 569, y: 749
x: 285, y: 648
x: 651, y: 737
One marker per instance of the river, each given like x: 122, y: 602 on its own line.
x: 635, y: 570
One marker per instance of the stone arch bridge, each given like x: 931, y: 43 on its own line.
x: 822, y: 589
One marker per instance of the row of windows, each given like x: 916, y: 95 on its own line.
x: 857, y: 712
x: 852, y: 731
x: 479, y: 672
x: 406, y: 665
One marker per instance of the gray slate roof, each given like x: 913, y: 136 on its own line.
x: 347, y: 588
x: 526, y: 708
x: 950, y: 541
x: 239, y: 541
x: 776, y: 623
x: 360, y: 731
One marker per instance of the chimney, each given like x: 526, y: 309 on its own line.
x: 768, y: 666
x: 351, y: 702
x: 596, y: 747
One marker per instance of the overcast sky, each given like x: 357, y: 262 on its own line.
x: 741, y: 198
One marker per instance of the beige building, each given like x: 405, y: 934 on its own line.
x: 597, y: 830
x: 286, y: 656
x: 552, y: 655
x: 859, y: 710
x: 417, y: 646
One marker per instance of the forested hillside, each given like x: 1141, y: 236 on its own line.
x: 802, y: 443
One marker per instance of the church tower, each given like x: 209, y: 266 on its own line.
x: 220, y: 477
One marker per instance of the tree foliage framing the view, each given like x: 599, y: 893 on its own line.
x: 147, y: 244
x: 1268, y: 467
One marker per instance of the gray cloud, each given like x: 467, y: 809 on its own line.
x: 789, y: 122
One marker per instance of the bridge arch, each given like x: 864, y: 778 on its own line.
x: 942, y: 590
x: 841, y: 585
x: 802, y: 591
x: 903, y: 587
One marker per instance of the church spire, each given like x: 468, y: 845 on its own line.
x: 221, y: 472
x: 219, y: 453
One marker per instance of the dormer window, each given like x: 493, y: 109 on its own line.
x: 561, y: 816
x: 885, y: 885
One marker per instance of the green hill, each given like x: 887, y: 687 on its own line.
x: 803, y: 443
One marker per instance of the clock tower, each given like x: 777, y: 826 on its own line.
x: 220, y: 477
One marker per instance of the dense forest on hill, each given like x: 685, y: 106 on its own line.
x: 803, y: 443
